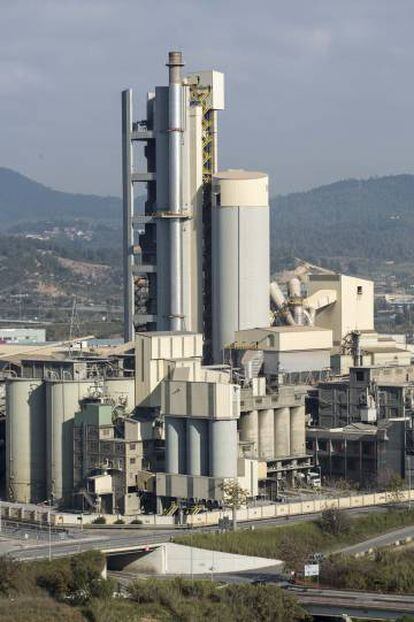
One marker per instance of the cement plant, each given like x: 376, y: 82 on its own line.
x: 234, y: 399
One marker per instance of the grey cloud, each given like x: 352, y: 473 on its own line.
x: 316, y: 91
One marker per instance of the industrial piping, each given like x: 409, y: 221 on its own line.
x: 175, y: 121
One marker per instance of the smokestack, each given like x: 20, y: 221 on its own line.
x: 175, y: 130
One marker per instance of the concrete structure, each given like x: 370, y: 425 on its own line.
x: 63, y: 399
x: 177, y: 559
x: 369, y: 455
x: 107, y: 459
x: 286, y: 349
x: 352, y: 306
x: 39, y: 410
x: 240, y: 254
x: 388, y: 391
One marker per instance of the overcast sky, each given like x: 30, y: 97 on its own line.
x: 316, y: 90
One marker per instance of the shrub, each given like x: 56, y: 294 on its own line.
x: 56, y: 578
x: 136, y: 521
x: 9, y: 574
x: 100, y: 520
x: 334, y: 522
x: 77, y: 578
x: 119, y: 521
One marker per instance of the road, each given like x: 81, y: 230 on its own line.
x: 379, y: 541
x: 78, y: 541
x: 358, y: 604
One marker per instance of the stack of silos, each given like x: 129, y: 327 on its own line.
x: 198, y: 446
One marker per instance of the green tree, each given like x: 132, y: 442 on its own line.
x: 334, y: 522
x: 234, y: 497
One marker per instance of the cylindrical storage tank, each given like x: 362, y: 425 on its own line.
x: 297, y: 430
x: 175, y: 445
x: 240, y: 255
x: 249, y: 428
x: 223, y: 448
x: 62, y: 402
x: 266, y: 433
x: 25, y: 440
x: 197, y: 446
x: 282, y: 432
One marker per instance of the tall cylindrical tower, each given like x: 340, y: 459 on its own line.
x: 240, y: 255
x: 175, y: 99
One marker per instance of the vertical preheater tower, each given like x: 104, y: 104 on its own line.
x: 167, y: 276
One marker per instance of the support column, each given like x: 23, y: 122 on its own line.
x: 128, y: 208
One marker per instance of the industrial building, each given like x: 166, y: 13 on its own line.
x: 223, y: 376
x: 196, y: 267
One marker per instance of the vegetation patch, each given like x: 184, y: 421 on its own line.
x: 296, y: 543
x: 386, y: 571
x: 71, y: 589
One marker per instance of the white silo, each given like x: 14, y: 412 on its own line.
x: 240, y: 255
x: 25, y: 440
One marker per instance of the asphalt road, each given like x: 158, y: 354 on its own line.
x: 380, y: 541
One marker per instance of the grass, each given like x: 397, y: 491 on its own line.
x: 294, y: 543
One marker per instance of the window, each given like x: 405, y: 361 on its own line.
x: 132, y: 446
x: 359, y: 290
x: 359, y: 376
x: 132, y: 461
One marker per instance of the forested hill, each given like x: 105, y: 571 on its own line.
x: 372, y: 219
x: 22, y: 199
x: 368, y: 219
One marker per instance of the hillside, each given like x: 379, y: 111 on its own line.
x: 362, y: 219
x: 55, y: 245
x: 22, y: 199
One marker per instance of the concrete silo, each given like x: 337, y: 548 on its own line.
x: 197, y: 446
x: 62, y: 402
x: 297, y: 430
x: 175, y: 445
x: 282, y: 431
x: 223, y: 448
x: 26, y: 440
x: 240, y: 255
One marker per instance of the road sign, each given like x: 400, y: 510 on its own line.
x: 311, y: 570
